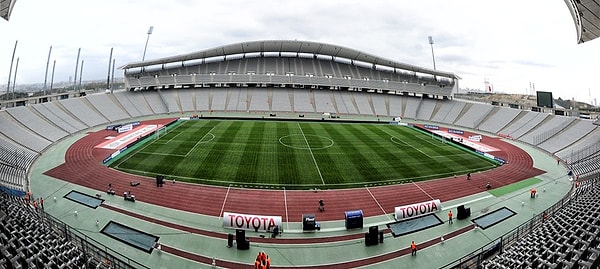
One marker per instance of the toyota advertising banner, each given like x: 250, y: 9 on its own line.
x: 250, y: 222
x: 417, y: 210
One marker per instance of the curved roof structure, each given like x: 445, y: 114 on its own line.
x: 6, y: 7
x: 586, y: 16
x: 292, y: 46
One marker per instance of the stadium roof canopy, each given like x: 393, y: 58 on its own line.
x: 586, y: 16
x: 6, y: 7
x: 290, y: 46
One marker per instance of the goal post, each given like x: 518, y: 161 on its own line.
x: 161, y: 131
x: 439, y: 138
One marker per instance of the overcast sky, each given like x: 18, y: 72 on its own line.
x: 512, y: 43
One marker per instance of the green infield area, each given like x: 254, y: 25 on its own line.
x: 514, y: 187
x: 269, y: 154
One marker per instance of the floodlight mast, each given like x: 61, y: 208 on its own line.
x: 47, y: 65
x: 15, y: 79
x: 10, y: 70
x: 108, y: 86
x: 432, y: 54
x: 80, y: 74
x: 76, y: 68
x: 147, y: 39
x: 52, y: 77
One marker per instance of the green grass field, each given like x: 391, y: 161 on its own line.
x: 297, y: 154
x: 514, y: 187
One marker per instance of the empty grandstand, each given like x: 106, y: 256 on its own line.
x: 6, y: 8
x: 289, y: 80
x: 292, y: 64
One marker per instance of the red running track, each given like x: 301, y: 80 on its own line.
x: 83, y: 166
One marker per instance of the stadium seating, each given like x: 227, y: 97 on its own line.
x: 567, y: 238
x: 202, y: 100
x: 448, y: 111
x: 281, y: 100
x: 303, y: 102
x: 186, y: 99
x: 28, y: 242
x: 582, y: 148
x: 59, y: 117
x: 322, y: 70
x: 362, y: 103
x: 28, y: 118
x: 524, y: 123
x: 171, y: 99
x: 574, y: 132
x: 155, y: 102
x: 426, y: 109
x: 546, y: 129
x: 586, y: 166
x: 344, y: 103
x: 84, y: 111
x: 379, y: 104
x: 412, y: 105
x: 11, y: 129
x: 323, y: 102
x: 475, y: 114
x: 133, y: 108
x: 501, y: 117
x: 258, y: 100
x: 110, y: 109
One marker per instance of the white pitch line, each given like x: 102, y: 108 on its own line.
x: 176, y: 134
x: 384, y: 213
x: 422, y: 190
x: 163, y: 154
x: 197, y: 143
x: 287, y: 222
x: 311, y: 154
x: 428, y: 141
x: 224, y: 200
x: 393, y: 136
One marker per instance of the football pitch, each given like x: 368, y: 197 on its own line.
x: 269, y: 154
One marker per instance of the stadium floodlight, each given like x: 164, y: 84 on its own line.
x: 10, y: 70
x: 432, y: 54
x: 76, y: 68
x: 47, y: 65
x: 108, y: 86
x: 52, y: 77
x: 15, y: 79
x: 147, y: 39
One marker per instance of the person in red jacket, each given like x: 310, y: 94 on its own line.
x: 413, y: 248
x: 268, y: 263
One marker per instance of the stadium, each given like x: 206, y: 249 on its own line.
x: 201, y: 155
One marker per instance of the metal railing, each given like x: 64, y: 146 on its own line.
x: 475, y: 258
x: 89, y: 246
x: 94, y: 254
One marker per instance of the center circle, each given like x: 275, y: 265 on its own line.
x: 307, y: 142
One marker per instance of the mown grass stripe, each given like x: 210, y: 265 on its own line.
x: 268, y: 154
x: 311, y: 154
